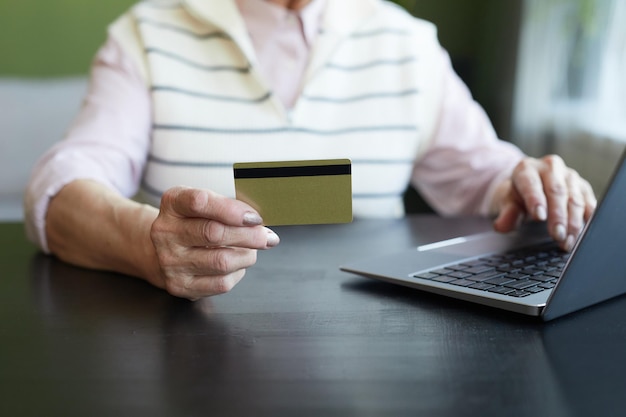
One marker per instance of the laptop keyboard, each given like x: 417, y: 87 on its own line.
x: 518, y: 273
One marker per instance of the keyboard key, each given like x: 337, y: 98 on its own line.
x: 480, y: 269
x: 486, y: 276
x: 499, y: 281
x: 517, y: 275
x: 444, y: 278
x: 544, y: 278
x: 508, y: 268
x: 459, y: 274
x: 533, y: 270
x: 520, y: 285
x: 459, y: 267
x: 501, y: 290
x: 462, y: 282
x: 494, y: 262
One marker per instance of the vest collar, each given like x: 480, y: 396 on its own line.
x: 225, y: 15
x: 341, y: 17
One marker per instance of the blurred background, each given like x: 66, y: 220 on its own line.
x: 549, y: 73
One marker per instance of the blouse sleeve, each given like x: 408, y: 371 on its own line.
x: 465, y: 160
x: 107, y: 142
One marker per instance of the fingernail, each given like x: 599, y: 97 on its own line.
x: 569, y: 243
x: 540, y: 213
x: 252, y: 219
x: 559, y: 232
x: 272, y: 239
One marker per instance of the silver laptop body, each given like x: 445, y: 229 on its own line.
x: 594, y: 272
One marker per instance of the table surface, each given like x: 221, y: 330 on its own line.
x: 295, y: 337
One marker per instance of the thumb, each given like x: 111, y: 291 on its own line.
x: 509, y: 217
x: 201, y: 203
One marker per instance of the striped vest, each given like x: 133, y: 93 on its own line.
x: 370, y: 94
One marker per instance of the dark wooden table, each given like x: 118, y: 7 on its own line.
x: 297, y: 337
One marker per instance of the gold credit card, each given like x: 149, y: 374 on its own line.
x: 297, y: 192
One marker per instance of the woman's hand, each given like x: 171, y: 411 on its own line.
x: 546, y: 189
x: 204, y: 242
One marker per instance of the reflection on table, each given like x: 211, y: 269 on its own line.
x: 295, y: 337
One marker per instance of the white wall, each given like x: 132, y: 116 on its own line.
x: 34, y: 113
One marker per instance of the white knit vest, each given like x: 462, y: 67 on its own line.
x: 370, y: 94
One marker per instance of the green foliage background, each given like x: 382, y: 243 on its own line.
x: 59, y: 37
x: 53, y: 37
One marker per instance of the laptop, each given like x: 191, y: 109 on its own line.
x: 523, y: 271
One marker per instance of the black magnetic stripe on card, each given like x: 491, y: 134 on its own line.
x: 298, y: 171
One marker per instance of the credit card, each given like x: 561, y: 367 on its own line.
x: 297, y: 192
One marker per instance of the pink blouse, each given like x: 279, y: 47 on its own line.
x: 113, y: 125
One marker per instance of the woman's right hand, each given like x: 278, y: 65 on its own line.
x: 204, y: 242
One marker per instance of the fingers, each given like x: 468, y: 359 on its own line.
x: 575, y: 209
x: 553, y: 175
x: 570, y: 200
x: 204, y: 272
x: 196, y: 287
x: 203, y: 242
x: 509, y: 217
x: 211, y: 233
x: 192, y: 202
x: 546, y: 189
x: 589, y: 199
x: 194, y: 217
x: 581, y: 205
x: 184, y: 261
